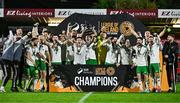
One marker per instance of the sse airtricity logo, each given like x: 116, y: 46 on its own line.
x: 79, y: 71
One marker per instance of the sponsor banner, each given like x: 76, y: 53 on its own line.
x: 63, y: 13
x: 113, y: 25
x: 1, y: 12
x: 168, y: 13
x: 88, y: 77
x: 139, y: 13
x: 99, y: 78
x: 29, y: 13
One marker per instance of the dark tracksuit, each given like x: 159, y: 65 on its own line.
x: 170, y: 49
x: 11, y: 57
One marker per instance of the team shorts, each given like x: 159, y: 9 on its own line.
x: 141, y: 69
x: 31, y: 71
x: 41, y: 65
x: 154, y: 67
x: 91, y: 62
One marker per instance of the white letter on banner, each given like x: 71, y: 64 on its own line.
x: 81, y: 80
x: 76, y: 81
x: 104, y: 81
x: 86, y: 81
x: 115, y: 81
x: 98, y: 80
x: 93, y: 81
x: 110, y: 81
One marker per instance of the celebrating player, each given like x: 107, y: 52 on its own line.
x: 31, y: 69
x: 141, y: 62
x: 154, y: 47
x: 43, y: 58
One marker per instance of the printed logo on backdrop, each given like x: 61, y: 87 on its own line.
x: 135, y: 13
x: 67, y: 12
x: 113, y: 25
x: 105, y: 71
x: 124, y: 28
x: 29, y: 13
x: 111, y: 28
x: 168, y: 13
x: 84, y: 71
x: 1, y: 12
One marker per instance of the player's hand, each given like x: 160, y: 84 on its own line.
x: 139, y: 33
x: 36, y: 24
x: 117, y: 64
x: 49, y: 64
x: 166, y: 56
x: 69, y: 24
x: 93, y: 27
x: 45, y: 61
x: 29, y: 33
x: 166, y: 26
x: 164, y: 63
x: 133, y: 65
x: 34, y: 64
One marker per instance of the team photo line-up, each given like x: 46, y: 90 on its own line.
x: 32, y: 57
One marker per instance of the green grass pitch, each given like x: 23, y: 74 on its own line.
x: 95, y: 97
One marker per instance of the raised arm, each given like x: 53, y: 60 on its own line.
x: 48, y: 57
x: 83, y: 29
x: 94, y: 31
x: 118, y: 58
x: 163, y: 31
x: 35, y: 32
x: 10, y: 38
x: 25, y: 38
x: 133, y: 32
x: 68, y: 29
x: 120, y: 38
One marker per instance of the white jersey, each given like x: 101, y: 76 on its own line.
x: 33, y: 52
x: 111, y: 55
x: 42, y: 49
x: 125, y: 56
x: 145, y: 42
x: 79, y: 54
x: 91, y: 53
x: 141, y: 56
x: 70, y: 53
x: 154, y: 51
x: 56, y: 54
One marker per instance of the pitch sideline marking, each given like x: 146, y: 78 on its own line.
x: 84, y: 97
